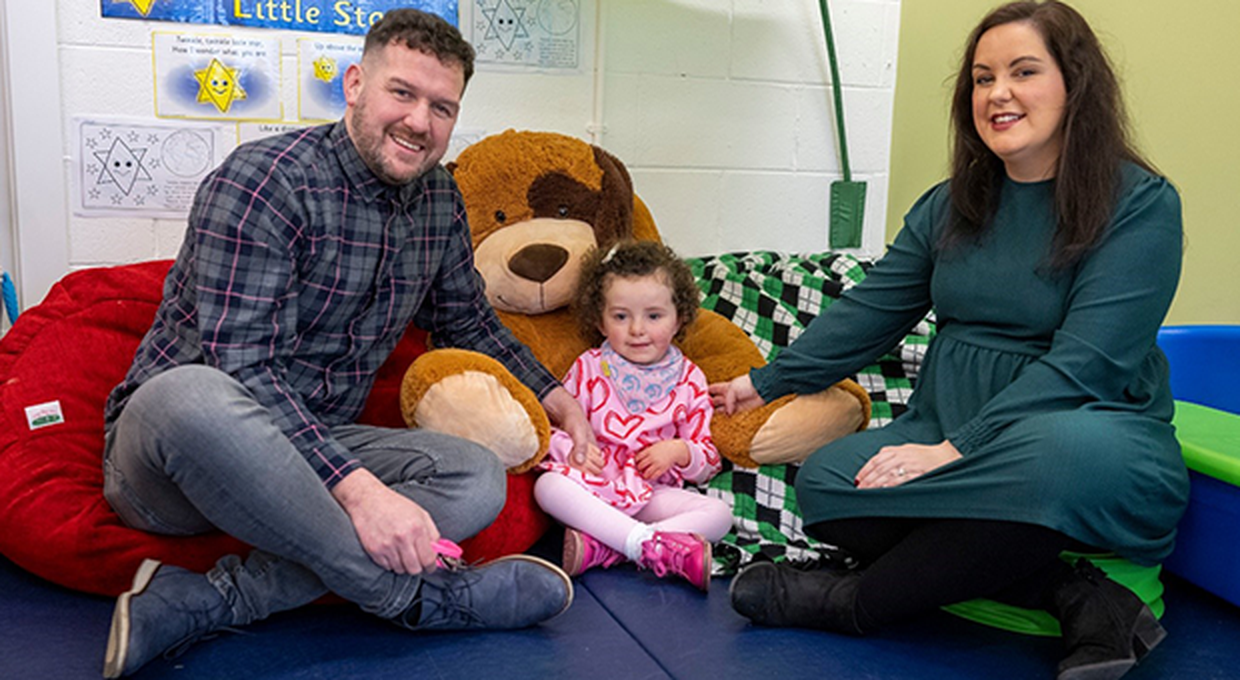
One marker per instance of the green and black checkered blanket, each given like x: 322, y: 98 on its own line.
x: 772, y: 297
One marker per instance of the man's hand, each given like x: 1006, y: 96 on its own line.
x: 738, y: 394
x: 396, y: 532
x: 594, y: 461
x: 659, y: 457
x: 566, y: 414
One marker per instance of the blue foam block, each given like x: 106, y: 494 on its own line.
x: 1207, y: 545
x: 1205, y: 364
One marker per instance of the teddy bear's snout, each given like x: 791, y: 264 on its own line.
x: 538, y: 262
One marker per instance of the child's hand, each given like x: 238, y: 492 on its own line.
x: 593, y: 463
x: 659, y: 457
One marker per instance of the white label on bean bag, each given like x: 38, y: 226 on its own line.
x: 42, y: 415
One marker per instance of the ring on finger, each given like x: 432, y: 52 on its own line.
x: 900, y: 471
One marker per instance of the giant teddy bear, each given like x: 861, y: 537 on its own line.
x: 536, y: 202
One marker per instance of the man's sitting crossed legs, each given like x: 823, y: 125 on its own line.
x: 192, y: 452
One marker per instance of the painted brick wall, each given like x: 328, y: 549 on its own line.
x: 721, y: 109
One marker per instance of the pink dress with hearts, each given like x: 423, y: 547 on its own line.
x: 683, y: 414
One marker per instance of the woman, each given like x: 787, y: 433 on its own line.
x: 1041, y: 420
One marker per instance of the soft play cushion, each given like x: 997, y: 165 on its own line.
x: 57, y: 365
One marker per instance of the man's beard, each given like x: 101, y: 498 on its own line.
x: 369, y: 145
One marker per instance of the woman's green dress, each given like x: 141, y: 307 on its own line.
x: 1049, y: 383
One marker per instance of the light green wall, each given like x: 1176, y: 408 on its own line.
x: 1180, y: 66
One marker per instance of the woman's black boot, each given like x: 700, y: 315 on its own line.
x: 1106, y: 628
x: 779, y: 595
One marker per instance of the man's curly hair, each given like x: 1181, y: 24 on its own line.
x: 422, y: 31
x: 632, y: 259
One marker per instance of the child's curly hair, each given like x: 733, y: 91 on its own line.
x: 632, y: 259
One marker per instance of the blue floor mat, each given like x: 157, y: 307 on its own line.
x: 50, y: 633
x: 623, y: 624
x: 695, y: 636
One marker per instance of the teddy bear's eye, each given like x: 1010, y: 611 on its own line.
x: 563, y: 211
x: 500, y: 216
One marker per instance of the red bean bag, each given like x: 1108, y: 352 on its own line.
x: 57, y: 365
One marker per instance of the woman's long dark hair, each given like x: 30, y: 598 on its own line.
x: 1096, y: 140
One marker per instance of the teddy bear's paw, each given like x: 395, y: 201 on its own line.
x: 472, y: 396
x: 807, y: 423
x: 474, y: 406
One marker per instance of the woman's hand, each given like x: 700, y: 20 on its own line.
x: 659, y: 457
x: 895, y: 465
x: 738, y: 394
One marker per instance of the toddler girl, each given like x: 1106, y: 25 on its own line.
x: 650, y: 412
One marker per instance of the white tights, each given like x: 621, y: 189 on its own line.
x: 669, y: 509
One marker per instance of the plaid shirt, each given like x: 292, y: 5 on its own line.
x: 300, y: 271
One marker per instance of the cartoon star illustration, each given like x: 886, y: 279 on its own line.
x: 506, y: 23
x: 122, y: 166
x: 325, y: 68
x: 218, y: 84
x: 143, y: 6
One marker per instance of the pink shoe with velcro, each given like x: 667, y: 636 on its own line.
x: 583, y: 551
x: 685, y: 555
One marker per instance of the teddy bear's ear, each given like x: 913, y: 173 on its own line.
x: 451, y: 167
x: 615, y: 218
x: 623, y: 214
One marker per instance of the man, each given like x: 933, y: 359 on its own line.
x: 306, y: 256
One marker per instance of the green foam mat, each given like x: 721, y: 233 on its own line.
x: 1144, y: 581
x: 1210, y: 440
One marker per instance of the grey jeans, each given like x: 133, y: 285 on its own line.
x: 193, y: 452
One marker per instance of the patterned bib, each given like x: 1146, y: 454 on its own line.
x: 640, y: 385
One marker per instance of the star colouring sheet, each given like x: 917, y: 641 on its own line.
x: 321, y: 67
x: 536, y: 34
x: 216, y: 76
x: 150, y: 169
